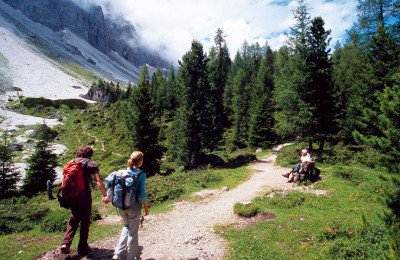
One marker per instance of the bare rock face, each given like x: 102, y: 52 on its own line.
x: 97, y: 94
x: 106, y: 33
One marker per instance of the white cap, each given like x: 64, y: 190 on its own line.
x: 304, y: 151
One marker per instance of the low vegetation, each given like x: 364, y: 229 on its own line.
x: 349, y: 222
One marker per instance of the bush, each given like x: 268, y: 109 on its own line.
x: 343, y: 242
x: 55, y: 221
x: 161, y: 188
x: 37, y: 102
x: 95, y: 214
x: 348, y: 174
x: 72, y: 103
x: 246, y: 210
x: 15, y: 218
x: 44, y: 132
x: 240, y: 158
x: 287, y: 201
x: 44, y: 102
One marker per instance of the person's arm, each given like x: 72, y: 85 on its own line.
x: 100, y: 184
x: 142, y: 192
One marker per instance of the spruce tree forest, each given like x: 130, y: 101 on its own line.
x: 200, y: 123
x: 345, y: 96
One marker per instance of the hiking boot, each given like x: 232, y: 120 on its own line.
x: 286, y: 175
x: 82, y: 253
x: 64, y: 249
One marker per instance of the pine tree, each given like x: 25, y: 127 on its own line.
x: 219, y: 66
x: 286, y: 96
x: 351, y: 76
x: 319, y: 90
x: 261, y: 132
x: 240, y: 107
x: 193, y: 116
x: 228, y: 91
x: 9, y: 176
x: 386, y: 119
x: 374, y: 14
x: 293, y: 97
x: 42, y: 166
x: 171, y: 90
x: 383, y: 53
x: 142, y: 123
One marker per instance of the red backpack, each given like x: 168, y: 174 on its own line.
x: 73, y: 182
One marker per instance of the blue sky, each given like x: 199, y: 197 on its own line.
x: 171, y: 25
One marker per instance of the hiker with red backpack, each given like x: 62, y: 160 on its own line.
x: 126, y: 189
x: 75, y: 194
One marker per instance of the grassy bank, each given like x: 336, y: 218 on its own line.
x: 102, y: 128
x: 345, y: 223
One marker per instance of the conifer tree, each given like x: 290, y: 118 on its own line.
x: 319, y: 90
x: 386, y: 119
x: 374, y: 14
x: 240, y: 107
x: 286, y: 97
x: 293, y: 97
x: 142, y: 123
x: 261, y: 132
x: 41, y: 168
x: 171, y: 92
x: 350, y: 75
x: 193, y: 116
x: 228, y: 91
x: 383, y: 53
x: 9, y: 176
x: 219, y: 66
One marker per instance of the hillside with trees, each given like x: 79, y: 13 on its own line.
x: 201, y: 123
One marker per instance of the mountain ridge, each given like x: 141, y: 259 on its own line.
x: 104, y: 32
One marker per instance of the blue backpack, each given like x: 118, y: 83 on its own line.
x: 125, y: 188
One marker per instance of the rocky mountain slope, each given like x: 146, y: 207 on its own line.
x: 50, y: 46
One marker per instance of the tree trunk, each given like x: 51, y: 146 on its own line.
x: 321, y: 147
x: 310, y: 145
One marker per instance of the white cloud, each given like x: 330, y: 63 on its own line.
x: 173, y: 24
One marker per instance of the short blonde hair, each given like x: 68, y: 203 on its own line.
x: 136, y: 159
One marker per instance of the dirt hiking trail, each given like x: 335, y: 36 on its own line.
x: 186, y: 232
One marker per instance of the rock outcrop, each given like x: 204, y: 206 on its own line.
x: 106, y: 33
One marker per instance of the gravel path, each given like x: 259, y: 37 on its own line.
x: 187, y: 231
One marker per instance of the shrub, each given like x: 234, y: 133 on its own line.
x: 162, y: 188
x: 15, y: 218
x: 72, y: 103
x: 44, y: 102
x: 240, y: 158
x: 210, y: 177
x: 368, y: 242
x: 287, y: 201
x: 44, y: 132
x: 55, y: 221
x: 348, y: 174
x: 95, y: 214
x: 36, y: 102
x: 246, y: 210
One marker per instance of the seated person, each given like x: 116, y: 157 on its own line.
x: 305, y: 157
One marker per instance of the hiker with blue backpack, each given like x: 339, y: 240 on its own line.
x: 126, y: 189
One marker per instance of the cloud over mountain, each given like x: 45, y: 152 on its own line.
x: 171, y: 25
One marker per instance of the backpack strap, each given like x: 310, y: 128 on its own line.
x: 85, y: 177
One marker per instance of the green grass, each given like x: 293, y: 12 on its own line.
x: 33, y: 243
x: 76, y: 70
x: 319, y: 227
x: 106, y: 130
